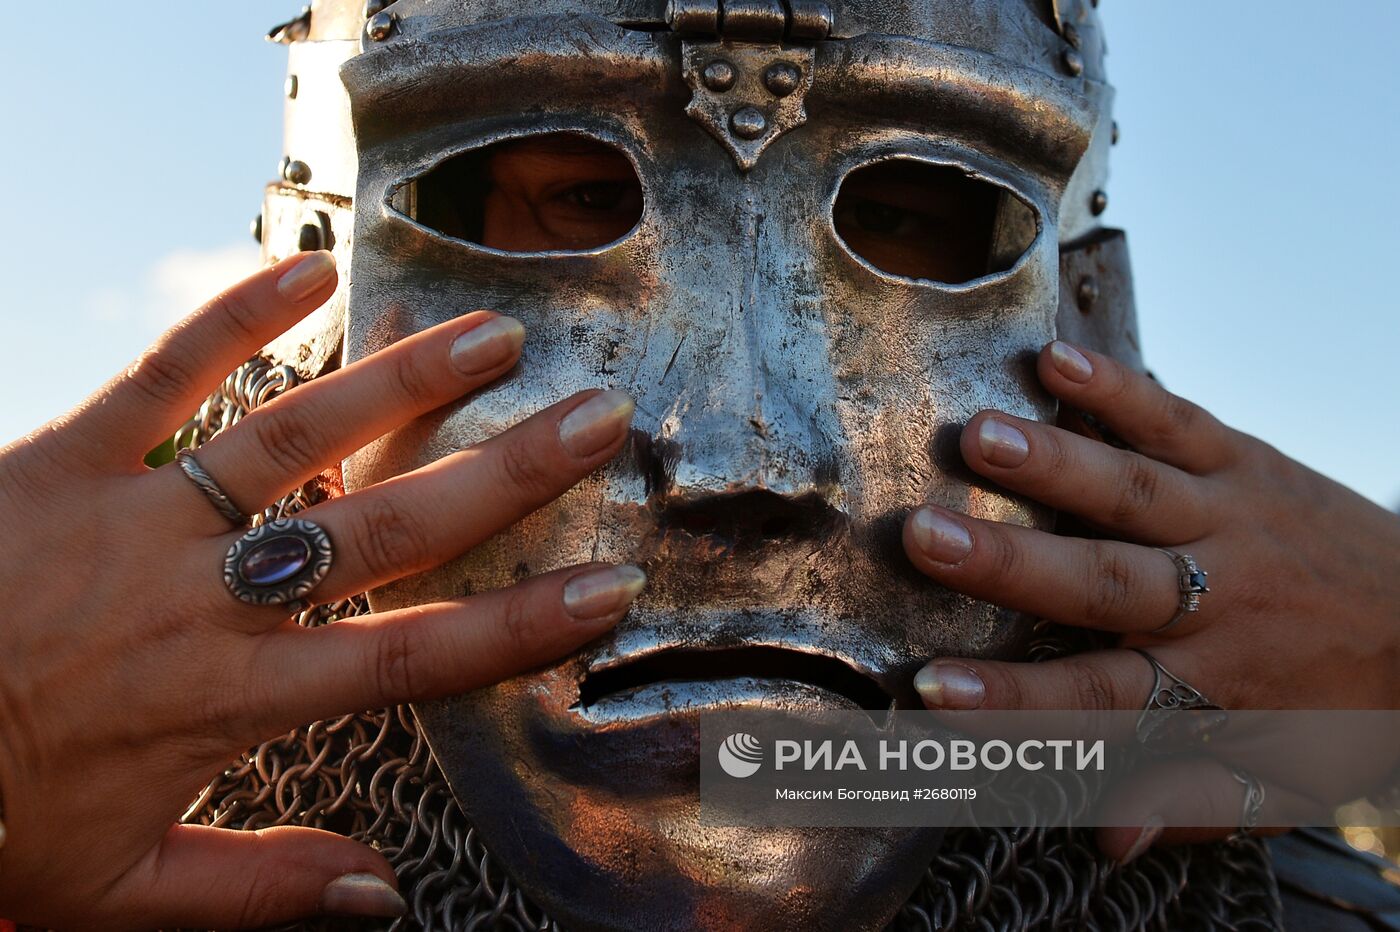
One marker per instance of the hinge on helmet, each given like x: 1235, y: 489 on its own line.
x: 752, y: 20
x: 749, y: 64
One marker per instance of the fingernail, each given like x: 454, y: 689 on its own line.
x: 362, y: 895
x: 596, y: 423
x: 1002, y: 444
x: 1071, y: 363
x: 1146, y: 838
x: 487, y: 345
x: 602, y: 593
x: 307, y: 277
x: 942, y: 539
x: 950, y: 686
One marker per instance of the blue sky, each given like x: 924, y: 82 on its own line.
x: 1256, y: 178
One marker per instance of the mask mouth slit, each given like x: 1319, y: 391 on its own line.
x: 769, y: 663
x: 752, y: 518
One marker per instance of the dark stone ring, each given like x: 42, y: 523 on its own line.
x: 279, y: 563
x: 1190, y: 585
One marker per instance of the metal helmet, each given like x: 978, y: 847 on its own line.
x: 795, y: 395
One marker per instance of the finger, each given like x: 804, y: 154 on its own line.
x: 1096, y: 681
x: 1149, y: 418
x: 424, y: 518
x: 1186, y: 802
x: 417, y: 521
x: 438, y: 650
x: 282, y: 444
x: 210, y: 878
x: 1118, y: 490
x: 1103, y: 584
x: 147, y: 403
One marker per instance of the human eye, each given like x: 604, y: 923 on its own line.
x: 598, y: 195
x: 552, y: 192
x: 885, y: 219
x: 929, y: 221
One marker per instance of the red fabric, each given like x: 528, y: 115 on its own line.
x: 6, y: 926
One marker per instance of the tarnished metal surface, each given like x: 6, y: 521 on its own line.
x: 294, y: 30
x: 317, y: 129
x: 794, y: 402
x: 1096, y: 297
x: 341, y: 20
x: 314, y: 343
x: 372, y: 777
x: 747, y: 96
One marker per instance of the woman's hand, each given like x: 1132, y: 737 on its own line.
x: 129, y: 675
x: 1303, y: 610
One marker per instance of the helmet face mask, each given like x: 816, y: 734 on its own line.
x: 799, y: 388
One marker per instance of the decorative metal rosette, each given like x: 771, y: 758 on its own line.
x: 279, y: 563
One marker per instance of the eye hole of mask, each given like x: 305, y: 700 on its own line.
x: 558, y: 192
x: 933, y: 222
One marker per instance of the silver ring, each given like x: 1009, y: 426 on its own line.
x: 1190, y: 585
x: 1157, y: 726
x: 279, y: 563
x: 206, y: 484
x: 1252, y: 806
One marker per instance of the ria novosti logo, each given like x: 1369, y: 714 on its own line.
x: 741, y: 755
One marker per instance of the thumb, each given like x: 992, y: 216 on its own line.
x: 215, y: 878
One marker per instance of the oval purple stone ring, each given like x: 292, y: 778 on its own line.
x: 279, y: 563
